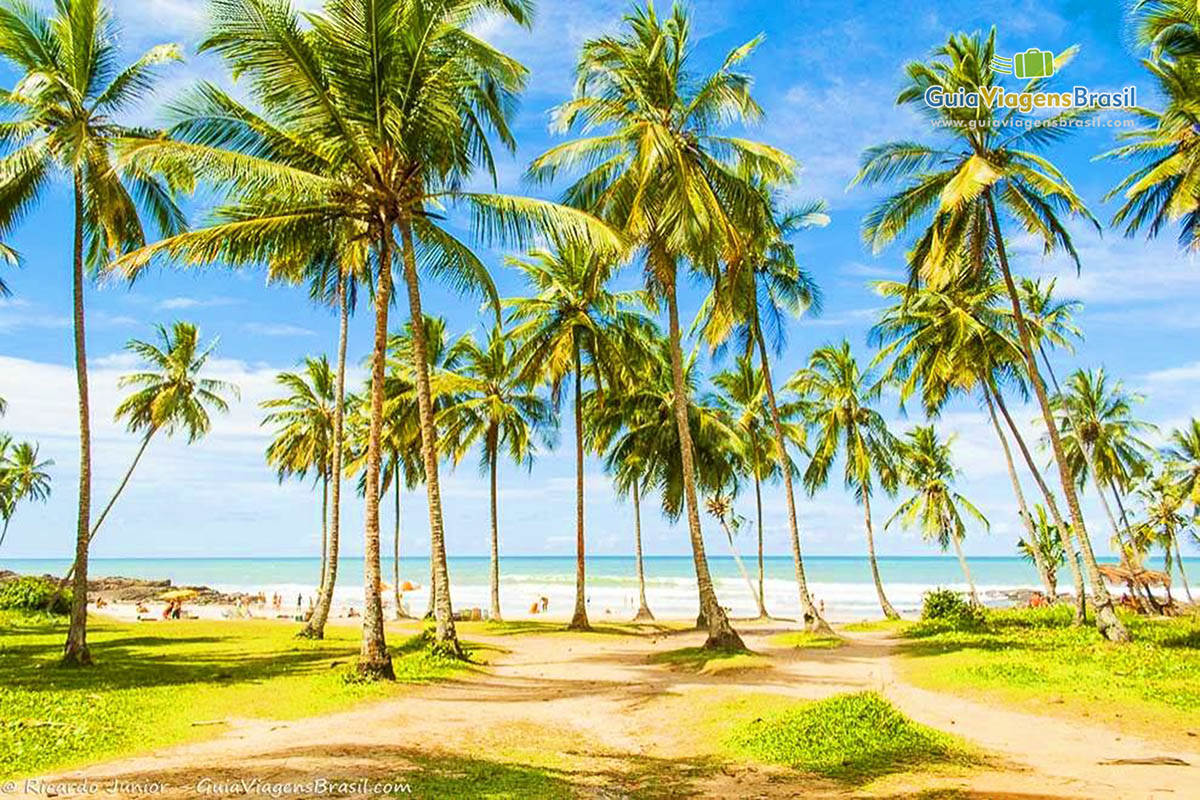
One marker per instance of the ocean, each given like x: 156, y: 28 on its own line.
x: 843, y: 583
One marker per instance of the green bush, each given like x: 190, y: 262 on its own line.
x: 29, y: 593
x: 947, y: 605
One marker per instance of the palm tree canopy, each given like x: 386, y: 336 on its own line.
x: 171, y: 396
x: 62, y: 116
x: 303, y: 420
x: 928, y: 471
x: 23, y: 475
x: 741, y: 395
x: 1183, y: 457
x: 494, y: 405
x: 651, y: 159
x: 838, y: 397
x: 1096, y: 417
x: 983, y: 160
x: 1047, y: 541
x: 1167, y: 27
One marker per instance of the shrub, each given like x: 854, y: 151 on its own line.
x: 947, y: 605
x: 29, y: 593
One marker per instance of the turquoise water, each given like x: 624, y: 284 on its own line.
x: 842, y: 582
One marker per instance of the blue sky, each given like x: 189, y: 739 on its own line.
x: 826, y: 75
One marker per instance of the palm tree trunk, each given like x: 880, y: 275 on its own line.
x: 1049, y: 581
x: 579, y: 620
x: 720, y: 633
x: 121, y: 486
x: 494, y: 577
x: 1052, y: 504
x: 397, y: 594
x: 374, y: 659
x: 1182, y: 575
x: 445, y: 636
x: 643, y: 613
x: 4, y: 534
x: 762, y: 572
x: 737, y: 559
x: 813, y: 620
x: 324, y: 532
x: 888, y: 611
x: 315, y: 627
x: 962, y: 562
x: 1107, y: 622
x: 76, y: 652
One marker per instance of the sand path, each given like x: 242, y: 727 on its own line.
x: 594, y: 716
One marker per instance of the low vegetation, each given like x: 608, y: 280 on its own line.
x: 710, y: 661
x: 1035, y: 658
x: 805, y: 640
x: 53, y: 717
x: 849, y: 737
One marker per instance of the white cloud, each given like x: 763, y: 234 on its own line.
x: 276, y: 329
x: 180, y: 303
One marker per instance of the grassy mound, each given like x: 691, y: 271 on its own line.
x: 806, y: 641
x: 852, y: 737
x: 710, y: 662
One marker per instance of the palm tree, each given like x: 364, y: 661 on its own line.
x: 960, y: 189
x: 499, y: 410
x: 742, y: 396
x: 1165, y: 521
x: 1183, y: 456
x: 170, y: 395
x: 1045, y: 546
x: 574, y: 327
x: 1101, y: 436
x: 720, y: 507
x: 928, y: 469
x: 1160, y: 190
x: 656, y: 167
x: 838, y: 395
x: 303, y: 441
x: 23, y: 476
x: 11, y: 258
x: 777, y: 287
x: 381, y: 114
x: 63, y: 114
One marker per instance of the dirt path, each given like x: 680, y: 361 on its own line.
x: 558, y: 715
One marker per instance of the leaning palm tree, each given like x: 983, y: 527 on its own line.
x: 1044, y: 547
x: 1101, y: 436
x: 956, y: 191
x: 571, y: 330
x: 757, y: 303
x: 927, y: 467
x: 63, y: 116
x: 499, y: 410
x: 377, y: 114
x: 656, y: 166
x: 23, y: 477
x: 741, y: 393
x: 171, y: 397
x: 303, y: 440
x: 838, y: 398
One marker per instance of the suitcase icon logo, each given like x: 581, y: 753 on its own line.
x: 1031, y: 64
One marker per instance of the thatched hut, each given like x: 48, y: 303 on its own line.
x: 1140, y: 583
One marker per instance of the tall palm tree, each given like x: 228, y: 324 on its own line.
x: 958, y: 190
x: 499, y: 410
x: 838, y: 398
x: 170, y: 395
x: 1101, y: 436
x: 63, y: 121
x: 656, y: 166
x: 380, y: 113
x: 1164, y: 521
x: 303, y: 441
x: 1045, y: 546
x: 759, y: 302
x: 928, y: 470
x: 23, y: 477
x: 742, y: 395
x: 572, y: 329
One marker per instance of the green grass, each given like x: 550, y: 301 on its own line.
x: 875, y: 625
x: 850, y: 737
x: 806, y: 641
x: 1035, y: 659
x: 153, y: 681
x: 710, y: 662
